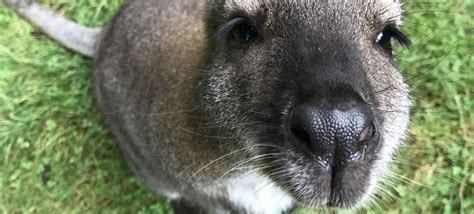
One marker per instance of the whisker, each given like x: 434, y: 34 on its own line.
x: 217, y: 160
x: 243, y: 163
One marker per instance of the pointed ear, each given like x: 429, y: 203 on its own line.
x: 17, y: 4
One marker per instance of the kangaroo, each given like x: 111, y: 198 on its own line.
x: 248, y: 106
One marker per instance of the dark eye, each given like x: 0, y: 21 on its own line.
x: 384, y: 39
x: 245, y: 33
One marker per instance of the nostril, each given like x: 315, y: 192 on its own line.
x: 299, y: 133
x: 368, y: 133
x: 332, y: 133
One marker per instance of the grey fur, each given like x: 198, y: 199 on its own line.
x: 191, y: 113
x: 75, y: 37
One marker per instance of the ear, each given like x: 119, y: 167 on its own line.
x: 17, y: 4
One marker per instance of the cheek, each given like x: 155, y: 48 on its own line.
x: 393, y: 104
x: 259, y: 76
x: 219, y: 86
x: 221, y: 95
x: 387, y: 84
x: 390, y: 91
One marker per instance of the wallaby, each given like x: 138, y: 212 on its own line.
x: 248, y: 106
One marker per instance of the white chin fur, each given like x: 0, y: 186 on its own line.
x: 258, y: 194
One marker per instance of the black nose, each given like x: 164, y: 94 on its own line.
x: 336, y: 131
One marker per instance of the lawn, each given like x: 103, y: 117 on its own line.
x: 57, y: 156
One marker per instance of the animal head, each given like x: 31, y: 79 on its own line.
x: 312, y: 90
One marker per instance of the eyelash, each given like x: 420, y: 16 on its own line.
x: 237, y: 29
x: 386, y: 36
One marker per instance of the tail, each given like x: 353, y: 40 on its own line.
x: 70, y: 34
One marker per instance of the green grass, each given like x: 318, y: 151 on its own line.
x: 57, y: 156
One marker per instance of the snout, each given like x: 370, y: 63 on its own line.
x: 335, y: 130
x: 336, y: 134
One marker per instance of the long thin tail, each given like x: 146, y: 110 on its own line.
x: 70, y: 34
